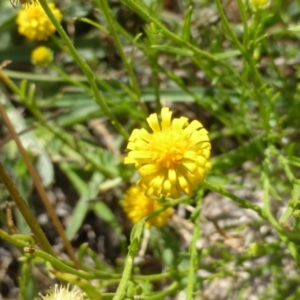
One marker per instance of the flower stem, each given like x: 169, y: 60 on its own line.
x: 24, y: 209
x: 133, y: 249
x: 194, y: 258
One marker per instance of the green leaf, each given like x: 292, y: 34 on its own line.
x: 135, y: 236
x: 227, y: 54
x: 106, y: 214
x: 186, y: 30
x: 296, y: 192
x: 293, y: 160
x: 87, y: 192
x: 174, y: 50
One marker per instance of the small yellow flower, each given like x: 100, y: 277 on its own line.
x: 41, y: 56
x: 171, y: 159
x: 259, y: 4
x: 34, y: 24
x: 136, y: 206
x: 63, y: 293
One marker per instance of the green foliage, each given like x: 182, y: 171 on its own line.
x: 234, y: 69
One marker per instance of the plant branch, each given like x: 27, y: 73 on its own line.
x: 24, y: 209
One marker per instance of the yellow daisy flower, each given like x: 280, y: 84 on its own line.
x: 137, y: 206
x: 171, y: 159
x: 259, y: 4
x: 34, y: 24
x: 41, y: 56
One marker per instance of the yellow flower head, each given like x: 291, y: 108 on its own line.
x: 259, y: 4
x: 63, y: 293
x: 34, y: 24
x: 136, y: 206
x: 171, y: 159
x: 41, y: 56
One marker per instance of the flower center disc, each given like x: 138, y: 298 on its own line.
x: 166, y: 148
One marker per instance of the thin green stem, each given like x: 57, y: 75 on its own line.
x: 228, y: 28
x: 57, y: 263
x: 70, y: 79
x: 13, y: 239
x: 85, y: 69
x: 242, y: 9
x: 57, y: 132
x: 242, y: 202
x: 74, y: 144
x: 40, y: 77
x: 175, y: 286
x: 152, y: 54
x: 283, y: 221
x: 63, y: 267
x: 155, y: 277
x: 199, y: 55
x: 257, y: 80
x: 103, y: 5
x: 290, y: 245
x: 24, y: 209
x: 266, y: 203
x: 284, y: 162
x: 194, y: 254
x: 39, y: 186
x: 125, y: 277
x: 135, y: 239
x: 90, y: 290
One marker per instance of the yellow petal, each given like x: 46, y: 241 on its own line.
x: 191, y: 166
x: 201, y: 160
x: 166, y: 116
x: 182, y: 181
x: 167, y: 186
x: 178, y: 124
x: 194, y: 125
x: 148, y: 169
x: 129, y: 160
x: 153, y: 123
x: 172, y: 176
x: 139, y: 154
x: 190, y: 155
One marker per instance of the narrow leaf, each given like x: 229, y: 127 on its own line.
x: 174, y: 50
x: 186, y: 30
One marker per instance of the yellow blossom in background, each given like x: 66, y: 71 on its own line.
x: 136, y: 206
x: 34, y: 24
x: 259, y: 4
x: 171, y: 159
x: 63, y: 293
x: 41, y: 56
